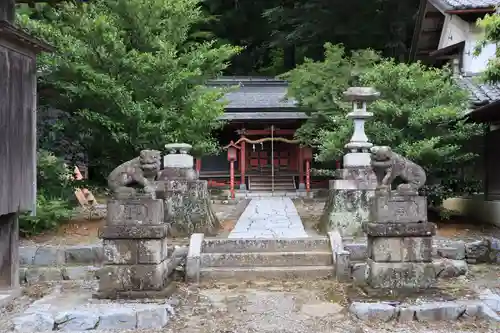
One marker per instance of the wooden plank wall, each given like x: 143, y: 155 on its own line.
x: 17, y: 102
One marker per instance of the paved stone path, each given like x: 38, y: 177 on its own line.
x: 274, y: 217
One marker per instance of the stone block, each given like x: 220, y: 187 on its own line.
x: 448, y: 268
x: 27, y: 254
x: 358, y: 272
x: 118, y: 320
x: 398, y: 208
x: 356, y: 178
x: 84, y: 254
x: 152, y: 251
x: 407, y: 229
x: 400, y: 275
x: 71, y: 321
x: 439, y: 311
x: 79, y: 272
x: 358, y: 251
x: 132, y: 277
x: 478, y: 251
x: 48, y: 256
x: 342, y: 266
x: 120, y: 251
x: 452, y: 251
x: 373, y: 311
x: 34, y: 322
x: 152, y: 318
x: 135, y: 211
x: 43, y: 274
x: 400, y: 249
x: 492, y: 300
x: 134, y: 231
x: 193, y: 260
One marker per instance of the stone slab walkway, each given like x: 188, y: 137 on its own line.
x: 274, y: 217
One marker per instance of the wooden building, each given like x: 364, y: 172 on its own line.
x: 261, y: 123
x: 17, y: 136
x: 446, y: 32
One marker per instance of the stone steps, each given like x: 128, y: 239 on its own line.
x: 224, y: 245
x: 265, y: 258
x: 248, y: 273
x: 274, y: 259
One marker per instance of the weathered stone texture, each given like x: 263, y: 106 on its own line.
x: 400, y: 274
x: 135, y: 211
x: 373, y: 311
x: 400, y: 249
x: 345, y: 211
x: 348, y: 201
x: 393, y: 208
x: 406, y: 229
x: 187, y: 207
x: 134, y: 231
x: 132, y: 277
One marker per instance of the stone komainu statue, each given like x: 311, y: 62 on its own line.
x: 137, y: 173
x: 388, y: 165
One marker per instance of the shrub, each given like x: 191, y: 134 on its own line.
x: 54, y: 197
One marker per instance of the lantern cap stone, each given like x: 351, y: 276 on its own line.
x: 183, y: 148
x: 363, y: 94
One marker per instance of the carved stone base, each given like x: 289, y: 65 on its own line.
x: 395, y: 208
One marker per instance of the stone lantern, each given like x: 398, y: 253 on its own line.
x: 348, y: 200
x: 359, y: 146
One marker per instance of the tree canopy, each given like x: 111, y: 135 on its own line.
x: 129, y: 75
x: 419, y: 114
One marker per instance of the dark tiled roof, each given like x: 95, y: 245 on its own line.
x: 255, y: 93
x: 464, y: 4
x: 480, y: 93
x: 276, y: 115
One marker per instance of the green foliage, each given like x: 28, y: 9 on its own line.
x: 491, y: 26
x: 130, y: 75
x: 419, y: 114
x: 50, y: 213
x: 55, y: 190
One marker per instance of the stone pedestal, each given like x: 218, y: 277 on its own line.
x: 135, y: 249
x: 348, y: 204
x: 399, y: 242
x: 188, y: 208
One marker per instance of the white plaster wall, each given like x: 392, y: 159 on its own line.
x: 475, y: 207
x: 472, y: 63
x: 456, y: 30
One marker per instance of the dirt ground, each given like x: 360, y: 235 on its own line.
x: 318, y: 306
x: 82, y: 231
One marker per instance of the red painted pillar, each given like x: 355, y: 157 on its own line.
x: 243, y: 165
x: 198, y: 165
x: 231, y: 178
x: 301, y: 169
x: 308, y: 175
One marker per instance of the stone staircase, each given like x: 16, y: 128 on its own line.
x: 264, y: 183
x: 266, y: 258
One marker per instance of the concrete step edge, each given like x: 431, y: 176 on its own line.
x: 265, y: 268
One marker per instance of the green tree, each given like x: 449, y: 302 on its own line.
x: 419, y: 114
x: 490, y: 23
x: 129, y: 75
